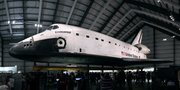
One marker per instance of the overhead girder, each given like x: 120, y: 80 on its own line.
x: 100, y: 14
x: 55, y: 11
x: 39, y: 16
x: 131, y: 29
x: 38, y: 68
x: 154, y: 8
x: 74, y: 4
x: 172, y: 4
x: 23, y: 19
x: 163, y: 31
x: 112, y: 15
x: 32, y: 20
x: 130, y: 21
x: 158, y: 22
x: 7, y: 12
x: 152, y: 24
x: 135, y: 31
x: 142, y: 12
x: 86, y: 12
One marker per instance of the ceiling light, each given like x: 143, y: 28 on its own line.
x: 158, y: 0
x: 37, y: 25
x: 8, y: 22
x: 171, y: 17
x: 13, y: 22
x: 164, y: 39
x: 173, y: 36
x: 18, y: 34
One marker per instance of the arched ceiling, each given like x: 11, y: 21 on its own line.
x: 117, y: 18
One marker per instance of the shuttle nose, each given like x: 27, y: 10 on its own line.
x: 11, y: 51
x: 15, y: 50
x: 29, y: 47
x: 20, y: 48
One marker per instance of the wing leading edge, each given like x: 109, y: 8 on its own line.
x: 147, y: 60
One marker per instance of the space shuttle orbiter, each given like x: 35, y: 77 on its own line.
x: 74, y: 45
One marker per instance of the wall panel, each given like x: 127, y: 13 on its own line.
x: 147, y: 40
x: 177, y: 52
x: 164, y: 49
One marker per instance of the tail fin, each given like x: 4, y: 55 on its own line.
x: 138, y: 38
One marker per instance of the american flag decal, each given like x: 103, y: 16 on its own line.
x: 123, y: 53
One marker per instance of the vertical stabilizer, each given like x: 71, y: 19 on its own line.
x: 138, y: 38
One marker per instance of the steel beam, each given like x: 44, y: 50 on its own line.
x: 2, y: 53
x: 7, y: 12
x: 163, y: 31
x: 175, y: 5
x: 112, y: 15
x: 179, y: 4
x: 154, y: 43
x: 74, y: 4
x: 86, y: 12
x: 124, y: 26
x: 164, y: 24
x: 38, y: 68
x: 24, y: 19
x: 24, y: 66
x: 119, y: 21
x: 174, y: 52
x: 131, y: 29
x: 132, y: 34
x: 154, y: 8
x: 142, y: 12
x: 39, y: 16
x: 100, y: 14
x: 152, y: 25
x: 55, y: 11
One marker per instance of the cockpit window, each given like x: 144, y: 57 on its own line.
x: 50, y: 27
x: 55, y: 27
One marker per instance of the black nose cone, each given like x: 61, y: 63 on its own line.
x: 11, y: 51
x: 31, y: 48
x: 21, y: 49
x: 16, y: 50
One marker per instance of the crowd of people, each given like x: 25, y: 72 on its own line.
x: 102, y: 81
x: 80, y: 80
x: 18, y: 81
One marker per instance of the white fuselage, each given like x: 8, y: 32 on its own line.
x: 83, y: 41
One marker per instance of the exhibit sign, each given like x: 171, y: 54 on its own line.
x: 8, y: 69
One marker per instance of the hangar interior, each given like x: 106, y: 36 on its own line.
x: 120, y: 19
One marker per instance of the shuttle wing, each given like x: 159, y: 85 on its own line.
x: 144, y: 62
x: 155, y: 61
